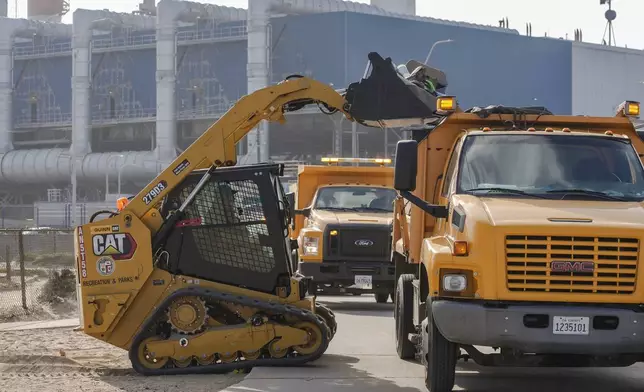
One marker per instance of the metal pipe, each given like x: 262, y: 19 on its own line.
x: 166, y: 122
x: 74, y: 188
x: 433, y: 46
x: 107, y: 173
x: 81, y: 80
x: 119, y: 176
x: 386, y: 131
x: 157, y: 164
x: 354, y: 140
x: 257, y: 71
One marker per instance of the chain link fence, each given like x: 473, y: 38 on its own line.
x: 37, y: 275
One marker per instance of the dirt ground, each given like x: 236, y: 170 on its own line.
x: 64, y: 360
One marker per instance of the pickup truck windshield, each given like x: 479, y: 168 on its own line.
x: 550, y: 166
x: 355, y: 198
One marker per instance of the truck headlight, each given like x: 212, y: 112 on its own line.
x: 310, y: 246
x: 454, y: 283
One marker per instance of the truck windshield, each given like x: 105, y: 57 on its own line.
x: 355, y: 198
x: 551, y: 166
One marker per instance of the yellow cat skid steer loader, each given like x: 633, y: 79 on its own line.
x: 188, y: 280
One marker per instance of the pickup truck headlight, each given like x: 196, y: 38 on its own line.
x: 310, y: 246
x: 454, y: 283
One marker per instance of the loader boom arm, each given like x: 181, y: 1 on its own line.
x: 216, y: 146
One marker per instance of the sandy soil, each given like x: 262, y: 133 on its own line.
x: 63, y: 360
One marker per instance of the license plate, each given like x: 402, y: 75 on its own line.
x: 563, y: 325
x: 363, y: 282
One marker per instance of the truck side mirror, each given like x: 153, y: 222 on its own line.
x: 406, y: 165
x: 306, y: 212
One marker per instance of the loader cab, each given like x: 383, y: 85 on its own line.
x: 234, y: 231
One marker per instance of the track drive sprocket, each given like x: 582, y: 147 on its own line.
x: 187, y: 315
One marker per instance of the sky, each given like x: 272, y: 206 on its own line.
x: 556, y: 18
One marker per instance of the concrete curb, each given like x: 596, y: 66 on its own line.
x: 48, y: 324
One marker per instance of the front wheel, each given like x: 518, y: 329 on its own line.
x: 441, y: 357
x: 404, y: 316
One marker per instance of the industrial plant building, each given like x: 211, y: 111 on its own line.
x: 122, y: 94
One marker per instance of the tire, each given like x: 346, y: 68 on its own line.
x: 440, y: 364
x: 404, y: 316
x: 381, y: 298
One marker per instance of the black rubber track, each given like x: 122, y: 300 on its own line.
x: 328, y: 316
x: 274, y: 308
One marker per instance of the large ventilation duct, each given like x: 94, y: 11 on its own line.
x: 84, y: 24
x: 169, y: 14
x: 10, y: 29
x: 55, y: 165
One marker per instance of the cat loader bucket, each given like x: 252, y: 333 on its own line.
x: 389, y: 98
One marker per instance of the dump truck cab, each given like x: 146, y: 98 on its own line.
x: 343, y: 227
x: 520, y: 230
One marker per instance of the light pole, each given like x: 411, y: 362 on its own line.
x: 434, y: 45
x: 107, y: 174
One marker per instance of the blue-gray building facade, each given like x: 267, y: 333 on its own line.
x: 483, y: 67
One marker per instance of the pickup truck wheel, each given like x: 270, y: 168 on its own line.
x: 440, y: 364
x: 403, y: 315
x: 381, y: 298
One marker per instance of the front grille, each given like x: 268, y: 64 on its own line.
x: 346, y: 244
x: 529, y: 264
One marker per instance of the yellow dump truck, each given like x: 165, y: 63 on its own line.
x: 520, y: 231
x: 342, y: 227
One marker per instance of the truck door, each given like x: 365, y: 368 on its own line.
x: 448, y: 182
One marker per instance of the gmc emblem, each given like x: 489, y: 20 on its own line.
x: 572, y: 266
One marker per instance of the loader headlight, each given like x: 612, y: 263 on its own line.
x: 454, y: 283
x: 310, y: 245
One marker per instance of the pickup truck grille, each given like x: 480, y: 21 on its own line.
x: 355, y: 243
x: 566, y: 264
